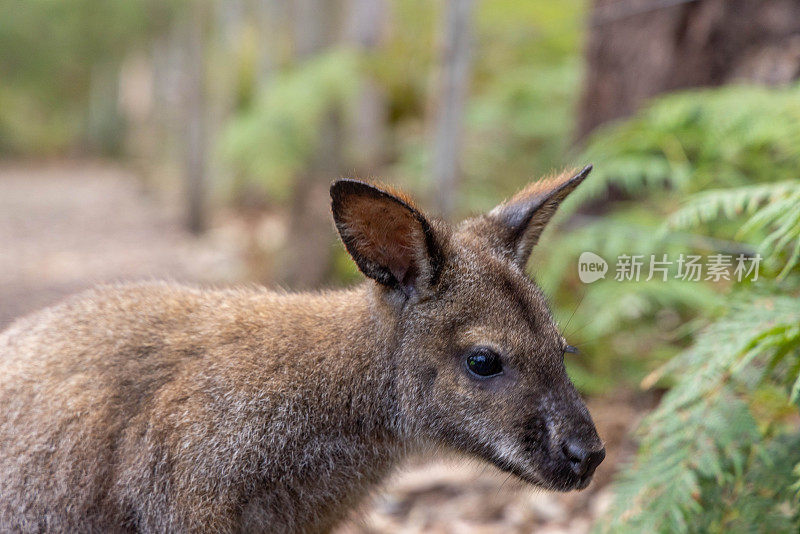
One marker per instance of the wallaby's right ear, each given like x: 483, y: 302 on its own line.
x: 514, y: 227
x: 389, y: 239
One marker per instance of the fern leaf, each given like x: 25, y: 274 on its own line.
x: 703, y: 430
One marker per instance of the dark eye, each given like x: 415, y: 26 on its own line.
x: 484, y: 362
x: 570, y: 349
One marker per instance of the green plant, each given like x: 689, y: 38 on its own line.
x: 717, y: 172
x: 772, y: 210
x: 270, y: 142
x: 55, y: 57
x: 719, y: 148
x: 726, y: 419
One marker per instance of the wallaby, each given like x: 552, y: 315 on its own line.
x: 161, y: 408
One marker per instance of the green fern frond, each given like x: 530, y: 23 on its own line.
x: 731, y: 203
x: 704, y: 429
x: 752, y: 329
x: 719, y: 454
x: 662, y: 490
x: 773, y: 209
x: 693, y: 140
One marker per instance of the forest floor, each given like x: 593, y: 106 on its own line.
x: 66, y: 226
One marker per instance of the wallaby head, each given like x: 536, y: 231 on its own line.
x: 477, y: 357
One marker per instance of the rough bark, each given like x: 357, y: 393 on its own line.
x: 640, y: 48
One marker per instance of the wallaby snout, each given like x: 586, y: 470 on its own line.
x: 576, y: 446
x: 161, y: 408
x: 583, y: 459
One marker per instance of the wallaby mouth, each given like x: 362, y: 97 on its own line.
x: 563, y: 481
x: 554, y: 477
x: 553, y: 460
x: 567, y: 468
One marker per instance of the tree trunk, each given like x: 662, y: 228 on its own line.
x: 195, y: 120
x: 104, y: 124
x: 452, y: 93
x: 366, y: 31
x: 640, y: 48
x: 306, y: 258
x: 268, y: 14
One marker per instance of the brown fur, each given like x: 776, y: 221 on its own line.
x: 161, y: 408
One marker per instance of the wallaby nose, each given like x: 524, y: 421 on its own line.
x: 583, y: 460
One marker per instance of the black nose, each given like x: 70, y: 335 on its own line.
x: 583, y: 460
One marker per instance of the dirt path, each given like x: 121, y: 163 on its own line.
x: 65, y: 227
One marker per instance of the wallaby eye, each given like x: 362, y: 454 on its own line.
x: 570, y: 349
x: 484, y: 362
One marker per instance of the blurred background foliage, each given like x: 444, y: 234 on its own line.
x: 704, y: 172
x: 246, y: 109
x: 57, y: 57
x: 685, y: 173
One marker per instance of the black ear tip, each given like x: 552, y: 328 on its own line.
x: 342, y: 184
x: 346, y: 186
x: 336, y: 190
x: 578, y: 178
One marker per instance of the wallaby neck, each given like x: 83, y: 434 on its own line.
x: 336, y: 348
x: 330, y: 399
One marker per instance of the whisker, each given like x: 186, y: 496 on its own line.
x: 503, y: 484
x: 578, y: 330
x: 575, y: 309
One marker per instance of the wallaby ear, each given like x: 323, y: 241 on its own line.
x: 389, y: 239
x: 519, y: 222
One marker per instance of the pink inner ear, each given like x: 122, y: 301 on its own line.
x: 387, y: 233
